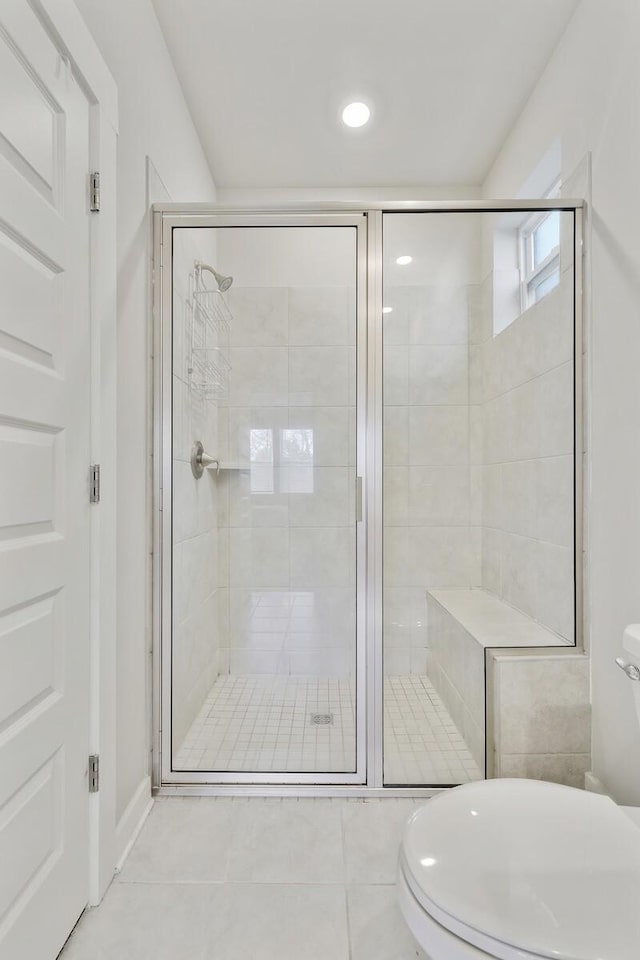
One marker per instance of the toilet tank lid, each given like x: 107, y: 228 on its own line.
x: 546, y: 869
x: 631, y: 640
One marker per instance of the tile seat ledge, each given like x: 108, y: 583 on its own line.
x: 492, y: 622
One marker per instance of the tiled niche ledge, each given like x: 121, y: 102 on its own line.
x: 532, y: 697
x: 492, y: 622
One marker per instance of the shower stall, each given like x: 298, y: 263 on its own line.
x: 368, y: 469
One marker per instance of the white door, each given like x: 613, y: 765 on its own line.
x: 44, y: 500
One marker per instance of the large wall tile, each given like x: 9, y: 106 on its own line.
x: 569, y: 769
x: 259, y: 376
x: 519, y: 497
x: 259, y: 557
x: 329, y: 500
x: 395, y: 325
x: 260, y: 316
x: 554, y: 411
x: 395, y: 365
x: 322, y: 556
x: 258, y: 497
x: 492, y: 553
x: 396, y: 496
x: 519, y: 569
x: 397, y: 571
x: 554, y: 500
x: 556, y: 579
x: 438, y: 375
x: 242, y: 420
x: 440, y: 556
x: 321, y: 316
x: 542, y: 711
x: 255, y: 662
x: 396, y: 436
x: 439, y: 496
x: 439, y: 436
x: 555, y: 326
x: 321, y: 376
x: 330, y: 428
x: 337, y: 663
x: 438, y: 315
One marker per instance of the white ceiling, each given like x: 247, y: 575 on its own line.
x: 266, y: 79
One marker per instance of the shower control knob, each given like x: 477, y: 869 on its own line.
x: 631, y: 670
x: 200, y: 460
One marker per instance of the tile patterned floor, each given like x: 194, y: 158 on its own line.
x: 229, y: 879
x: 264, y: 724
x: 422, y: 744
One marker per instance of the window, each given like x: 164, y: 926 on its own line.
x: 539, y: 255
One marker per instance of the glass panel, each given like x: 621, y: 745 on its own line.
x: 546, y: 238
x: 478, y: 481
x: 264, y: 548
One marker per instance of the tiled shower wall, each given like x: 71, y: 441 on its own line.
x: 287, y: 500
x: 478, y: 441
x: 431, y: 522
x: 478, y: 482
x: 522, y: 381
x: 195, y: 507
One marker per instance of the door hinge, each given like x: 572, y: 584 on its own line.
x: 94, y: 192
x: 94, y: 483
x: 94, y: 773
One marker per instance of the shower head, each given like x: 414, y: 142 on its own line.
x: 223, y: 282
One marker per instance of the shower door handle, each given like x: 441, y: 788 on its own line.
x: 358, y: 499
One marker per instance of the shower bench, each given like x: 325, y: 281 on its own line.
x: 516, y: 690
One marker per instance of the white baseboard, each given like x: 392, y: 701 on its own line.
x: 132, y: 820
x: 593, y: 784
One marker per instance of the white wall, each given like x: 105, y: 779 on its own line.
x: 277, y: 196
x: 154, y: 122
x: 588, y: 96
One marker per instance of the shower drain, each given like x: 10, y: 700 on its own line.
x: 321, y: 719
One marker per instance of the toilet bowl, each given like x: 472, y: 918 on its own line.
x: 524, y: 870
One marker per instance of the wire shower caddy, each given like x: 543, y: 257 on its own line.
x: 211, y: 325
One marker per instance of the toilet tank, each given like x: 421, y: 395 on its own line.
x: 631, y: 646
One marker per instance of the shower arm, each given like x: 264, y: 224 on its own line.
x: 222, y: 283
x: 200, y: 266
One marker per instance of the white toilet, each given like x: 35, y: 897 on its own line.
x: 523, y: 869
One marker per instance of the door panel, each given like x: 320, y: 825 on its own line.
x: 44, y: 506
x: 267, y: 551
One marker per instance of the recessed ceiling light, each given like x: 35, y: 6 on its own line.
x: 356, y: 114
x: 387, y: 309
x: 403, y: 261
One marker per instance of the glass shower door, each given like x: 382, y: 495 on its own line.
x: 266, y: 647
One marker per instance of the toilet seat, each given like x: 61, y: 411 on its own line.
x: 528, y: 870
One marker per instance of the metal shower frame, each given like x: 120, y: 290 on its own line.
x: 368, y: 781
